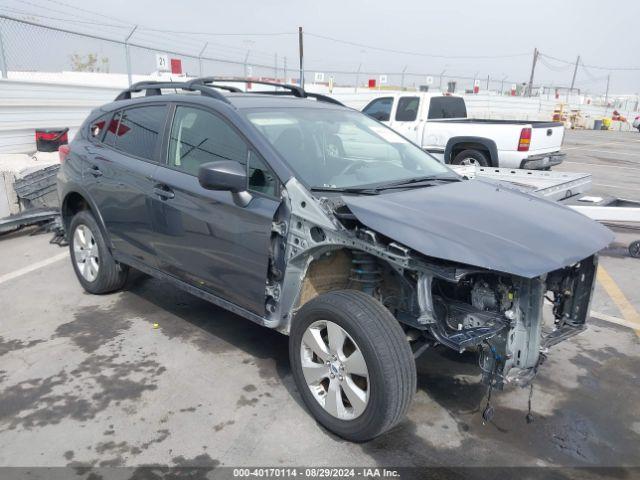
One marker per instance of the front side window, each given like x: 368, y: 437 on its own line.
x: 199, y: 137
x: 136, y: 131
x: 380, y: 109
x: 329, y: 148
x: 407, y: 110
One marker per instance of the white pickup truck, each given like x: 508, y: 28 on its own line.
x: 439, y: 124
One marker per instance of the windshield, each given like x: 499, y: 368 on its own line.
x: 339, y: 148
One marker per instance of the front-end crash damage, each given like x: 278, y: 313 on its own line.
x: 320, y: 245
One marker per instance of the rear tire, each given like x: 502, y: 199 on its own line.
x: 92, y: 261
x: 471, y: 157
x: 383, y: 374
x: 634, y: 249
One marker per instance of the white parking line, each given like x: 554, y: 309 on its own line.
x: 612, y: 319
x: 615, y: 153
x: 591, y: 145
x: 603, y: 165
x: 33, y: 267
x: 617, y: 186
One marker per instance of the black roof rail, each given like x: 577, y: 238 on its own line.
x: 154, y: 88
x: 325, y: 98
x: 292, y: 89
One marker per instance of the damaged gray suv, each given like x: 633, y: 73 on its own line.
x: 310, y: 218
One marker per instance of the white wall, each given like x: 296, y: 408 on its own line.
x: 61, y: 100
x: 25, y: 106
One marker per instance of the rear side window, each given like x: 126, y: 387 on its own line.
x: 407, y: 110
x: 199, y: 137
x: 136, y: 131
x: 447, y: 107
x: 380, y: 109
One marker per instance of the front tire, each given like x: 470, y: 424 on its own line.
x: 471, y: 157
x: 352, y: 364
x: 92, y: 261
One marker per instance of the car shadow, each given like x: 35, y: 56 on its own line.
x: 450, y: 379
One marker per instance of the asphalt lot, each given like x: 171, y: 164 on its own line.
x: 90, y: 381
x: 612, y: 157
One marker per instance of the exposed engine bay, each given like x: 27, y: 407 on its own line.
x: 509, y: 315
x: 322, y: 246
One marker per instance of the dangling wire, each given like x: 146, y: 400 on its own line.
x: 487, y: 413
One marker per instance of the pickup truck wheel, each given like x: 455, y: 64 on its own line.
x: 352, y: 364
x: 95, y: 268
x: 634, y: 249
x: 471, y: 157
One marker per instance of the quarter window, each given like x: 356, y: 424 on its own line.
x: 199, y: 137
x: 261, y: 178
x: 97, y: 127
x: 407, y: 110
x: 380, y: 109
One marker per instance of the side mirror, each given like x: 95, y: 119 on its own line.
x: 223, y: 175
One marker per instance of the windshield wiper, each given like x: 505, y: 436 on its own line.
x: 416, y: 182
x: 365, y: 191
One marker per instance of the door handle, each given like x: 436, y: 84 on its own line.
x: 163, y: 192
x: 95, y: 171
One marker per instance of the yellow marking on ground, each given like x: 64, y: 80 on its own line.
x: 628, y: 311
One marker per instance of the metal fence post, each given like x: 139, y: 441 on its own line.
x: 127, y: 54
x: 4, y: 68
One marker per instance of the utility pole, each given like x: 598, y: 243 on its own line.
x: 357, y: 78
x: 127, y: 54
x: 402, y: 78
x: 573, y: 79
x: 488, y: 80
x: 200, y: 57
x: 533, y: 70
x: 301, y: 53
x: 606, y: 95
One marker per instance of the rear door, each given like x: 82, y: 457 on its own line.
x: 120, y: 179
x: 203, y: 236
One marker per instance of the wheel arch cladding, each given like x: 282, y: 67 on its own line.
x: 457, y: 144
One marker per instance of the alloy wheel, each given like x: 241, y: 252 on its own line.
x: 85, y: 251
x: 335, y: 370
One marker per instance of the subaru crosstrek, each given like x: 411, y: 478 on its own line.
x: 308, y: 217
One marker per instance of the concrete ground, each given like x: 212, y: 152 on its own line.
x: 92, y: 381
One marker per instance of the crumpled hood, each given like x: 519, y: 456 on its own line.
x: 484, y: 224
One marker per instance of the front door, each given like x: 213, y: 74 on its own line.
x: 204, y: 237
x: 120, y: 179
x: 405, y: 118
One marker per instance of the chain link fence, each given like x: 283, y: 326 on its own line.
x: 32, y: 51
